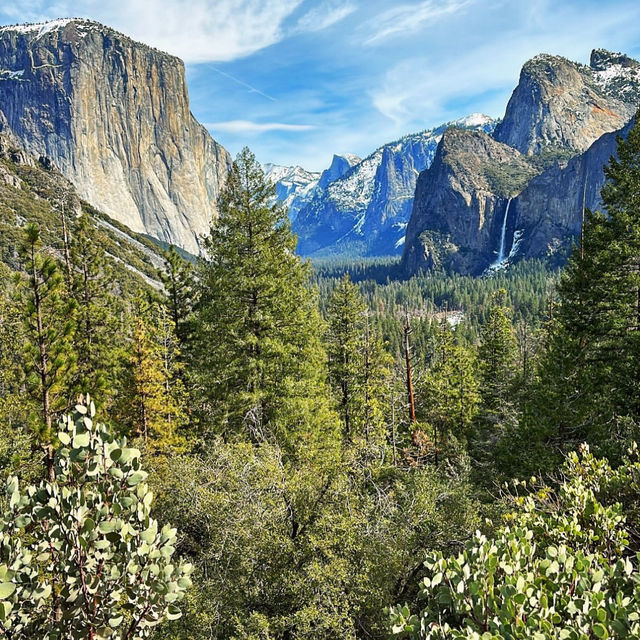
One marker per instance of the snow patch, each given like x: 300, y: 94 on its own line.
x: 475, y: 120
x: 6, y: 74
x: 618, y: 79
x: 40, y: 28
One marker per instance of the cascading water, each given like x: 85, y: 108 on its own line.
x: 501, y: 256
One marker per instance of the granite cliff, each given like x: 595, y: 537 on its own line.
x: 113, y: 115
x: 481, y: 206
x: 460, y: 201
x: 365, y: 209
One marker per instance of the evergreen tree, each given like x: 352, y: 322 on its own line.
x: 261, y: 366
x: 96, y: 335
x: 496, y: 363
x: 177, y: 278
x: 49, y: 326
x: 152, y: 402
x: 450, y: 394
x: 357, y: 363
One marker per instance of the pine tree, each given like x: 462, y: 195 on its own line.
x: 261, y: 366
x: 496, y: 362
x: 96, y: 340
x: 152, y: 402
x: 49, y: 325
x: 346, y: 317
x: 177, y: 278
x: 449, y: 393
x: 357, y: 364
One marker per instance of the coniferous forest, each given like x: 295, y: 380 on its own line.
x: 262, y: 448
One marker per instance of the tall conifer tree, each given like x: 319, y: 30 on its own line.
x: 261, y: 365
x: 358, y: 364
x: 96, y: 335
x: 49, y: 325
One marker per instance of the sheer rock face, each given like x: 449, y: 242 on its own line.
x: 559, y: 103
x: 545, y: 161
x: 113, y: 115
x: 459, y: 205
x: 548, y: 214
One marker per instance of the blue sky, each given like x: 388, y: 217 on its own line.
x: 297, y: 80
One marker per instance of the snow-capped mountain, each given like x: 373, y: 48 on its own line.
x: 294, y: 185
x: 365, y: 211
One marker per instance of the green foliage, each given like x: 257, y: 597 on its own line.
x: 449, y: 393
x: 509, y: 179
x: 97, y: 312
x: 260, y: 363
x: 357, y: 365
x: 497, y: 352
x: 275, y: 558
x: 152, y: 403
x: 554, y: 573
x: 81, y: 557
x: 49, y: 322
x: 177, y: 278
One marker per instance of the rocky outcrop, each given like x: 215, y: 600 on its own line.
x: 461, y: 201
x: 481, y: 207
x: 339, y: 166
x: 113, y: 115
x: 559, y: 104
x: 294, y: 186
x: 547, y: 216
x: 365, y: 212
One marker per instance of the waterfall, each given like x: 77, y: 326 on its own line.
x: 501, y: 256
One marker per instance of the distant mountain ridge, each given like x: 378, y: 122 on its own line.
x: 296, y: 187
x: 361, y: 206
x: 113, y: 115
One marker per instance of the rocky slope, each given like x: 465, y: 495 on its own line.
x: 113, y: 115
x: 365, y: 211
x: 475, y: 211
x: 296, y: 187
x: 32, y: 191
x: 547, y: 216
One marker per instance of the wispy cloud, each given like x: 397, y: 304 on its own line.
x: 195, y: 30
x: 410, y: 18
x: 242, y: 83
x: 324, y: 16
x: 427, y: 87
x: 247, y: 126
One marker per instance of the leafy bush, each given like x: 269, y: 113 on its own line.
x: 81, y: 557
x: 557, y: 572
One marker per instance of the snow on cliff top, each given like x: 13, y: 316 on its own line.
x: 475, y: 120
x: 40, y: 27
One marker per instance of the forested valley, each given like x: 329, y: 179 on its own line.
x: 343, y: 453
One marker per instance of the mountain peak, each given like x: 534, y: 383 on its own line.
x: 34, y: 31
x: 601, y: 60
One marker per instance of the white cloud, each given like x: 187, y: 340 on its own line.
x: 194, y: 30
x: 247, y: 126
x: 429, y: 88
x: 325, y: 15
x: 409, y: 18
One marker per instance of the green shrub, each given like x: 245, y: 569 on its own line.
x: 81, y: 557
